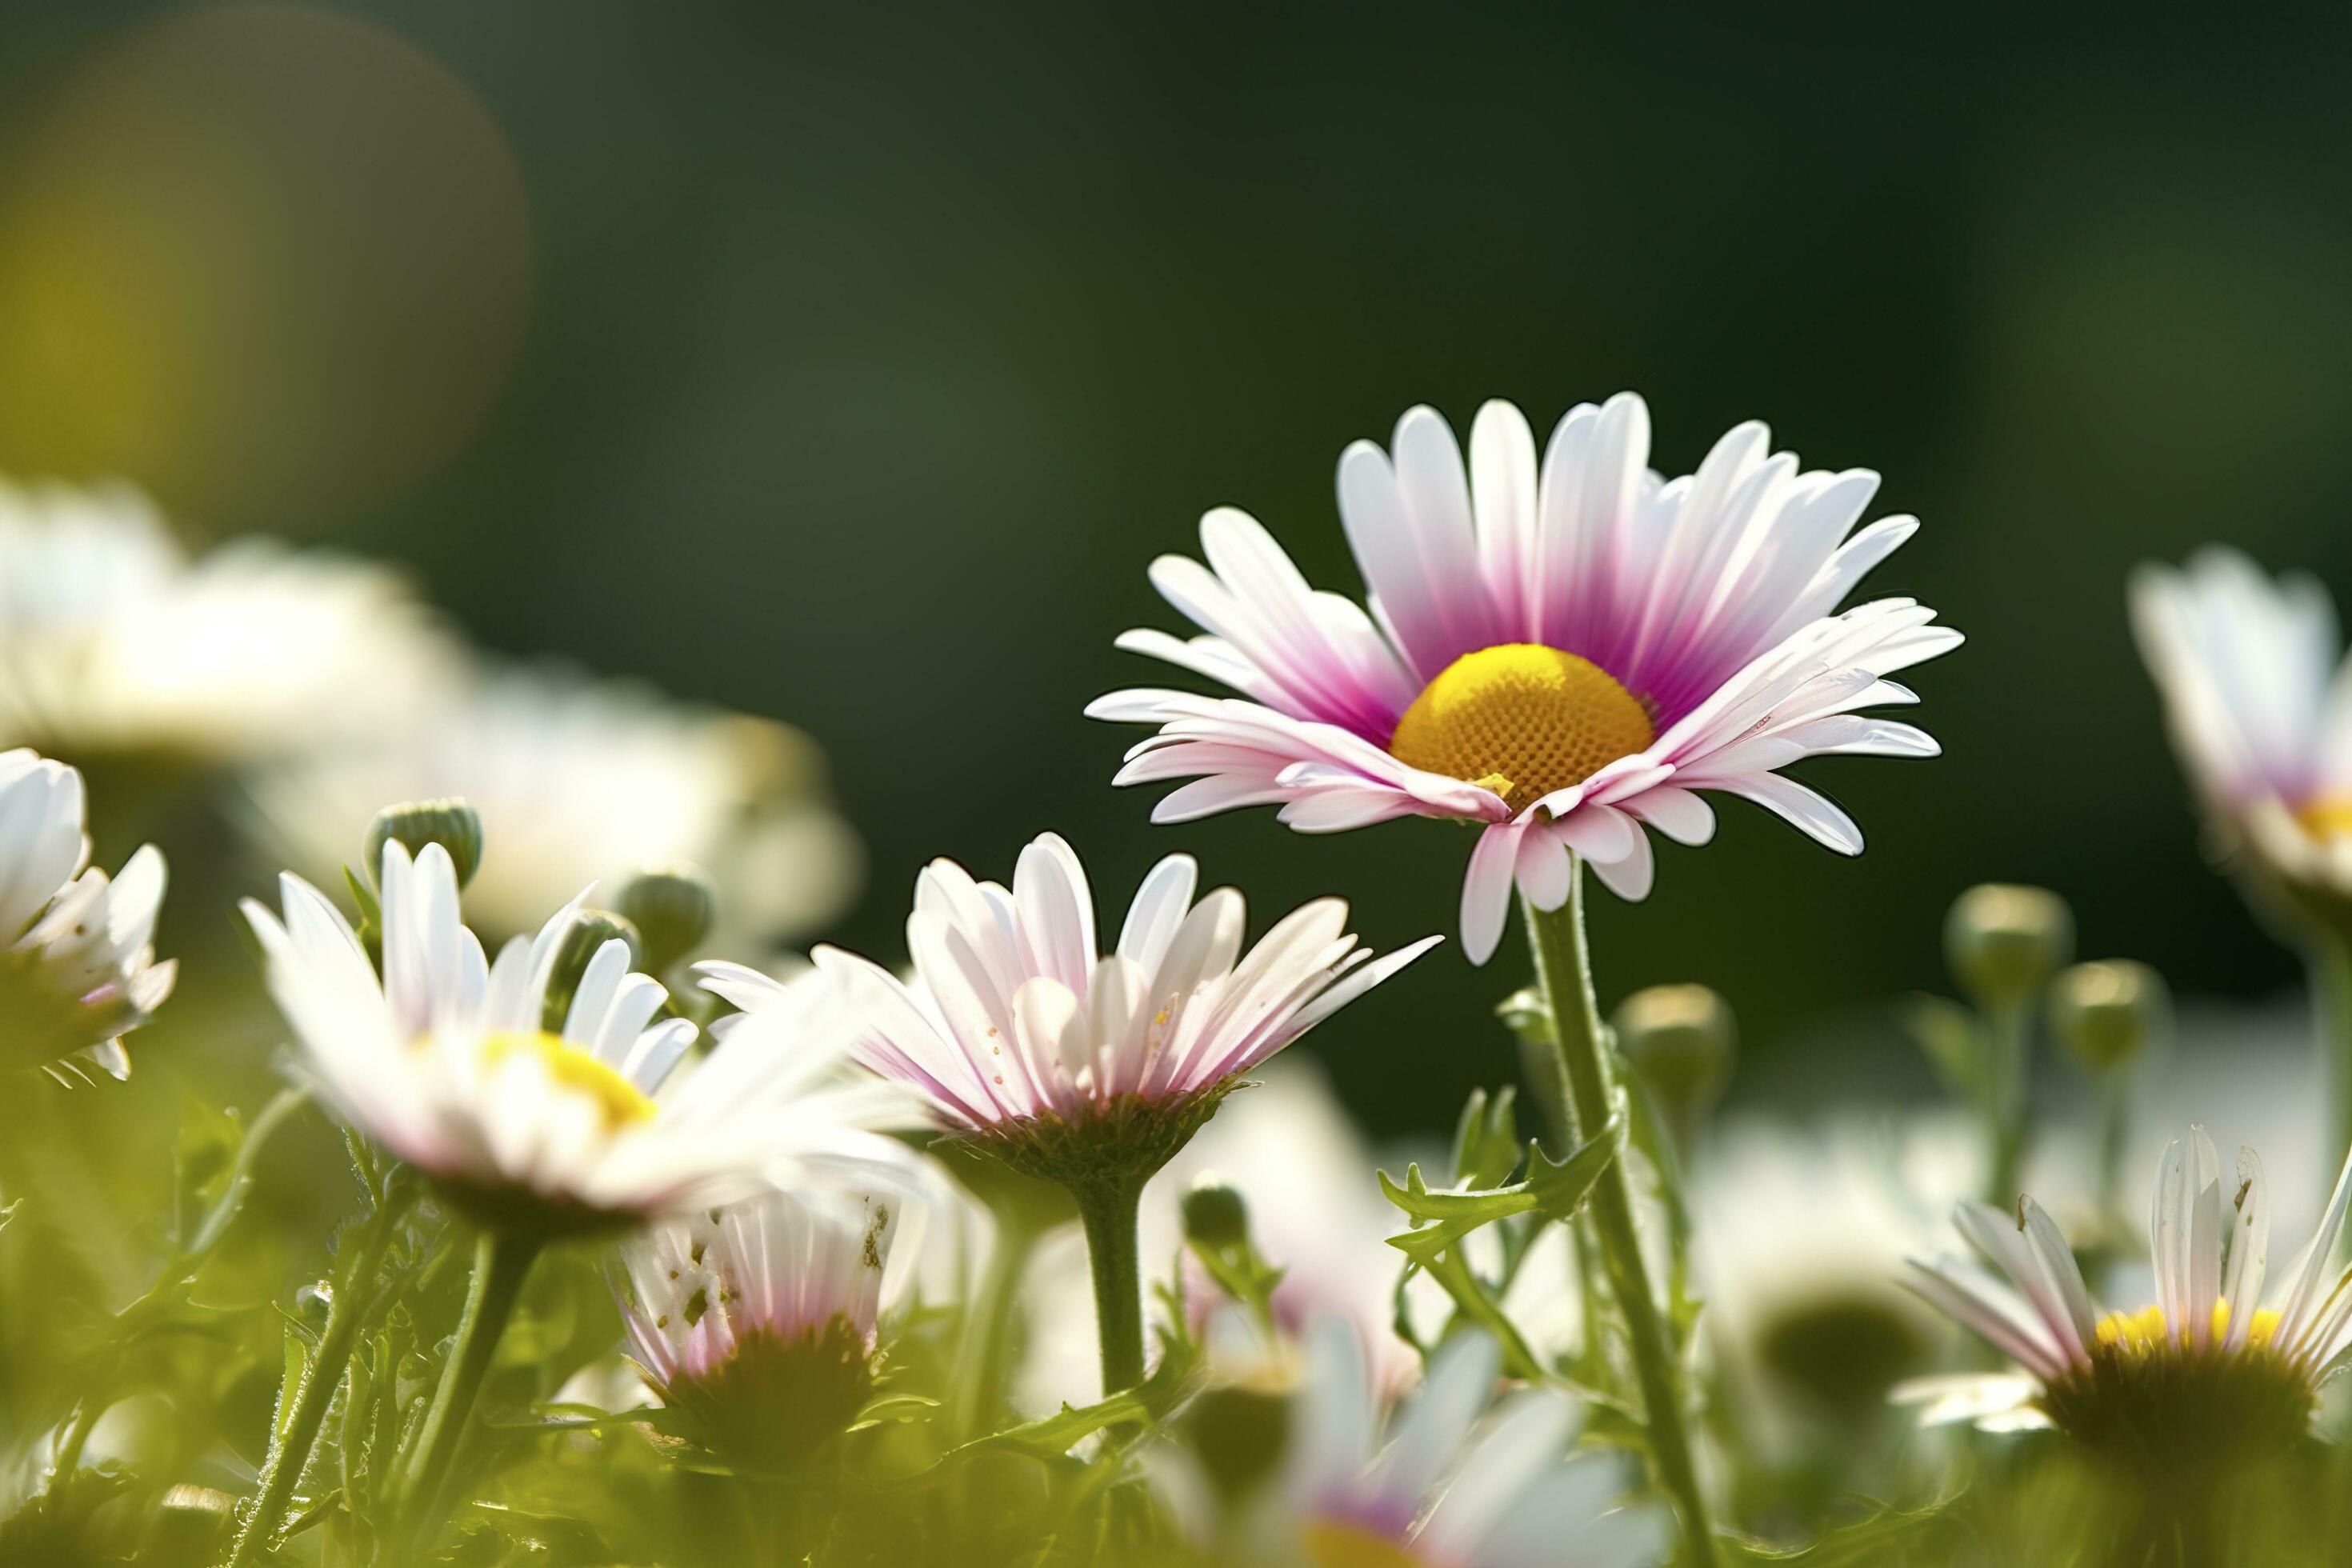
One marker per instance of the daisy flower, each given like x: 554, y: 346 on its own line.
x: 113, y: 640
x: 453, y: 1064
x: 1017, y: 1029
x: 1438, y: 1486
x: 80, y: 972
x: 1564, y: 651
x: 760, y: 1318
x: 2259, y: 708
x: 580, y: 781
x: 2210, y: 1375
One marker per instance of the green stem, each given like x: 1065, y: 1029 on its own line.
x: 1106, y: 1208
x: 1564, y: 969
x: 291, y: 1442
x: 69, y: 1448
x: 988, y: 1330
x: 2329, y: 962
x: 2115, y: 1133
x: 501, y: 1263
x: 2011, y: 1029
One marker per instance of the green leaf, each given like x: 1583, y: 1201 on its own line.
x: 1553, y: 1188
x: 1175, y: 1380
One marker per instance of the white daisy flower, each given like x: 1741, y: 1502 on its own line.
x: 1438, y: 1486
x: 80, y: 972
x: 446, y: 1062
x: 760, y: 1318
x: 580, y: 781
x: 1564, y: 652
x: 1018, y: 1028
x: 2212, y: 1374
x: 2258, y: 703
x: 112, y: 640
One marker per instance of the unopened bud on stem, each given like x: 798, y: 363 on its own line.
x: 2105, y: 1013
x: 1682, y: 1043
x: 448, y: 822
x: 578, y: 947
x: 673, y: 908
x: 2003, y: 942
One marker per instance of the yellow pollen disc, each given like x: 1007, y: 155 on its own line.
x: 1521, y: 719
x: 1334, y: 1545
x: 2326, y: 815
x: 2145, y: 1333
x: 622, y: 1102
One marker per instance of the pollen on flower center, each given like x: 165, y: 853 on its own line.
x: 620, y: 1101
x: 2146, y: 1331
x: 1331, y: 1543
x: 1522, y: 720
x: 2326, y: 815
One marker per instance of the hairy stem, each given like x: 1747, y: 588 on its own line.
x: 1564, y: 969
x: 1106, y: 1208
x: 501, y: 1263
x: 291, y: 1441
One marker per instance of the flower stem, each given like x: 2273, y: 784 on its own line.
x: 2329, y: 964
x: 501, y: 1263
x: 1564, y: 969
x: 987, y: 1330
x: 291, y: 1441
x: 1108, y: 1207
x: 2011, y: 1038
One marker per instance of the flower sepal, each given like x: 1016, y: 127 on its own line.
x: 1118, y: 1142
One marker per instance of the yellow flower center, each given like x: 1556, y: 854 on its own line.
x: 2145, y: 1332
x: 620, y: 1101
x: 1521, y: 719
x: 1330, y: 1544
x: 2326, y: 815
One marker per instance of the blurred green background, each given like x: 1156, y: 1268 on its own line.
x: 851, y: 365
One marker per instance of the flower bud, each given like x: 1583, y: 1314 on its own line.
x: 673, y: 908
x: 2105, y: 1013
x: 575, y: 949
x: 448, y: 822
x: 1240, y: 1432
x: 1215, y: 1214
x: 2003, y: 942
x: 1682, y: 1041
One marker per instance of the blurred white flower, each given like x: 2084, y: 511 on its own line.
x: 448, y: 1063
x: 113, y: 640
x: 1801, y: 1234
x: 80, y: 972
x: 582, y: 782
x: 2259, y: 705
x: 1437, y: 1485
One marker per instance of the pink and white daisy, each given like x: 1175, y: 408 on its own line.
x: 78, y: 969
x: 2210, y: 1374
x: 761, y: 1319
x: 1017, y: 1026
x: 1565, y: 651
x: 447, y: 1061
x: 2258, y: 703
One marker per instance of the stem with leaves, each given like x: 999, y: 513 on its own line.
x: 352, y: 1298
x: 1564, y: 970
x: 501, y: 1263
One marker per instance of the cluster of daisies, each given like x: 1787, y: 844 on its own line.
x: 1559, y: 645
